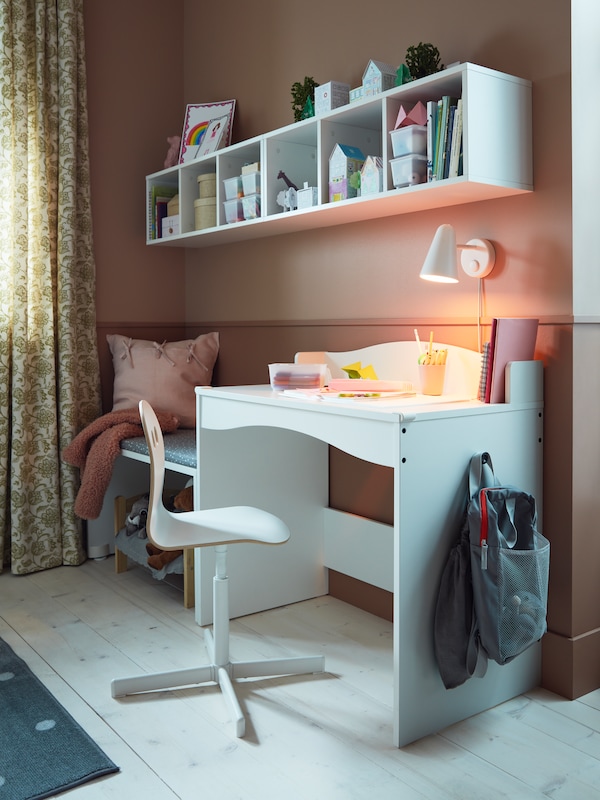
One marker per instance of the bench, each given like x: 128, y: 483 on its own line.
x: 180, y: 457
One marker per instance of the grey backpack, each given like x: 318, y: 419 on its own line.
x: 493, y: 592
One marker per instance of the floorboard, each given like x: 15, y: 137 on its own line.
x: 317, y: 737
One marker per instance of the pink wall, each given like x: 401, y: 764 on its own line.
x: 135, y: 91
x: 145, y: 63
x: 370, y: 270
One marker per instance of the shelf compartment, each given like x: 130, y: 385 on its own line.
x: 294, y: 155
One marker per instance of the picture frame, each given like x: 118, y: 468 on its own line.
x: 206, y: 128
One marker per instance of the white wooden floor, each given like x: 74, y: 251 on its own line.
x: 321, y: 737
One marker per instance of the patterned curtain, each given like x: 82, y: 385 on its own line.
x: 49, y: 381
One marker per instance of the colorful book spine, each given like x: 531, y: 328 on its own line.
x: 431, y: 136
x: 157, y: 194
x: 454, y: 169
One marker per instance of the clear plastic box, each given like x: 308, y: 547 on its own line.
x: 233, y: 187
x: 234, y: 211
x: 409, y: 140
x: 297, y: 376
x: 409, y: 170
x: 251, y: 183
x: 251, y: 206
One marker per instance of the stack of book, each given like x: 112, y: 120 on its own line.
x: 511, y: 339
x: 158, y: 198
x: 444, y: 138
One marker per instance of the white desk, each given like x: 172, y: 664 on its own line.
x: 258, y: 447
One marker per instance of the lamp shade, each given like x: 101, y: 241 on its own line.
x: 441, y: 263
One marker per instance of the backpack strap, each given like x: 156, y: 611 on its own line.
x: 481, y: 473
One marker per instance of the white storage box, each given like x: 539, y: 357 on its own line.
x: 409, y: 170
x: 233, y: 187
x: 170, y: 226
x: 412, y: 139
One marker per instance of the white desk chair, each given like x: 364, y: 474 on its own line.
x: 209, y: 528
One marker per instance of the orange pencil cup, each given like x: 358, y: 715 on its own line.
x: 431, y: 377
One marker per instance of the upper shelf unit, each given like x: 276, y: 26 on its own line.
x: 497, y: 159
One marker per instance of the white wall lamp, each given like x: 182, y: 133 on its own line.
x: 441, y: 264
x: 477, y: 259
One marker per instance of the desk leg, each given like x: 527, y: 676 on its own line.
x: 282, y: 472
x: 430, y: 495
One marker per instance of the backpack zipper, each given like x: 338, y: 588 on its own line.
x: 484, y: 528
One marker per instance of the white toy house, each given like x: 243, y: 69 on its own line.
x: 371, y: 176
x: 343, y: 162
x: 378, y: 77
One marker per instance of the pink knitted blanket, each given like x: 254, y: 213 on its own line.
x: 95, y: 449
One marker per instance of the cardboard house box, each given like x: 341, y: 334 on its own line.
x: 331, y: 95
x: 356, y: 94
x: 378, y: 77
x: 371, y: 176
x: 344, y: 161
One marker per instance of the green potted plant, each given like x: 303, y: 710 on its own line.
x: 303, y: 98
x: 423, y: 59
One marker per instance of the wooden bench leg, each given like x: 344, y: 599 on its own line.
x: 189, y: 597
x: 121, y: 562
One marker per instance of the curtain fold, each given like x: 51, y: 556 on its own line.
x: 49, y: 377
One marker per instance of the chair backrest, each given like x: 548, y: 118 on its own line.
x: 156, y: 451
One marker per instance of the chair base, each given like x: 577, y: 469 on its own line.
x: 221, y: 674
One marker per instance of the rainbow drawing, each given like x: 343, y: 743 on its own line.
x: 196, y: 133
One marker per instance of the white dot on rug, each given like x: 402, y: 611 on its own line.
x: 6, y: 676
x: 45, y: 725
x: 2, y: 780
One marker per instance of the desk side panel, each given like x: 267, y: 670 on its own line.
x: 433, y: 488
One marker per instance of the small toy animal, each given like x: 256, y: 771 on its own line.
x: 135, y: 522
x: 173, y: 151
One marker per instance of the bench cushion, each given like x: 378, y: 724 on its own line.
x: 180, y: 447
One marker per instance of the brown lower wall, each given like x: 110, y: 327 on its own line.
x: 571, y: 667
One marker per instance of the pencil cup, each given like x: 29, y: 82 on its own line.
x: 431, y: 377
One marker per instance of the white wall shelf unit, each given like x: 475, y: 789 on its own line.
x: 497, y: 159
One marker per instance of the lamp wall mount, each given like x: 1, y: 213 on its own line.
x: 477, y: 257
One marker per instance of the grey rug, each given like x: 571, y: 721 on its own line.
x: 43, y: 751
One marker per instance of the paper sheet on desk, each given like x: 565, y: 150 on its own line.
x: 380, y: 398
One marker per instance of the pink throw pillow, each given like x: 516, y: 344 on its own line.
x: 163, y: 374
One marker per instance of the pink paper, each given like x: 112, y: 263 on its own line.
x: 416, y: 116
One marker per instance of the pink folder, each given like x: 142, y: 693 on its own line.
x: 513, y: 339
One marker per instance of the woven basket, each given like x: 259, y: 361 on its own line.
x: 205, y: 212
x: 207, y: 185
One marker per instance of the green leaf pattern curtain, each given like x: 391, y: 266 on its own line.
x: 49, y: 382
